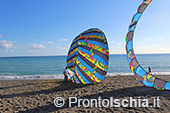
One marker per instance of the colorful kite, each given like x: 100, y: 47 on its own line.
x: 88, y: 57
x: 141, y: 75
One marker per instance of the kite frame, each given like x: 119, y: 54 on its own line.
x: 141, y: 75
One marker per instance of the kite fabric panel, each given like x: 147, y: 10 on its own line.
x: 141, y: 75
x: 88, y: 57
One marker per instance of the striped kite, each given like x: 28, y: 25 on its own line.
x: 141, y: 75
x: 88, y: 57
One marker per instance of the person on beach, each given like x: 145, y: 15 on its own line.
x: 149, y: 69
x: 70, y: 73
x: 67, y: 72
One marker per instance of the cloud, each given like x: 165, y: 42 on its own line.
x: 147, y: 38
x: 61, y: 40
x: 62, y: 48
x: 67, y: 45
x: 9, y: 50
x: 30, y: 50
x: 112, y: 41
x: 0, y: 35
x: 118, y: 50
x: 37, y: 46
x: 49, y: 42
x: 118, y: 43
x: 152, y: 49
x: 7, y: 44
x: 161, y: 38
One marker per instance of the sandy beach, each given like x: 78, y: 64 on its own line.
x: 37, y: 96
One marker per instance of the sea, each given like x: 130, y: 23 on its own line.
x: 52, y: 67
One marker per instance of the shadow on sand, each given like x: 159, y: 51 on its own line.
x: 126, y: 92
x: 62, y: 87
x: 25, y: 84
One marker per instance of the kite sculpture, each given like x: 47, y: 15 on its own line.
x: 88, y: 57
x: 141, y: 75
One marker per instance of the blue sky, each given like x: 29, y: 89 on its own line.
x: 43, y: 27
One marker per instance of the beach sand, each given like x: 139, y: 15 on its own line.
x: 38, y: 95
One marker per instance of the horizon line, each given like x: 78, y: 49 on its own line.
x: 66, y: 55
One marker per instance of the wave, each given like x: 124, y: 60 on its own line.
x: 127, y: 74
x: 119, y: 74
x: 61, y: 76
x: 32, y: 77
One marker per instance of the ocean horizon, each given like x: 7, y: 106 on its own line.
x: 51, y: 67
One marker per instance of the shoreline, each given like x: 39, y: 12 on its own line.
x: 61, y: 76
x: 38, y: 95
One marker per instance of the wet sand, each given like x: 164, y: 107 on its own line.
x: 37, y: 96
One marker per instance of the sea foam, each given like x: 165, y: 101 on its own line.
x: 61, y: 76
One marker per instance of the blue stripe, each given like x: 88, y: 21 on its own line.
x: 85, y: 65
x: 98, y: 34
x: 72, y: 48
x: 98, y: 58
x: 99, y: 76
x: 72, y: 55
x: 101, y: 60
x: 91, y: 70
x: 76, y: 78
x: 129, y: 45
x: 70, y: 64
x: 167, y: 85
x: 81, y: 75
x: 84, y: 50
x: 140, y: 71
x: 137, y: 16
x: 148, y: 84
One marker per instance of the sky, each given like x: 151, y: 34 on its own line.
x: 47, y: 28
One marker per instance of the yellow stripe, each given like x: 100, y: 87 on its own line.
x: 95, y: 79
x: 80, y: 77
x: 73, y: 51
x: 70, y: 61
x: 92, y: 60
